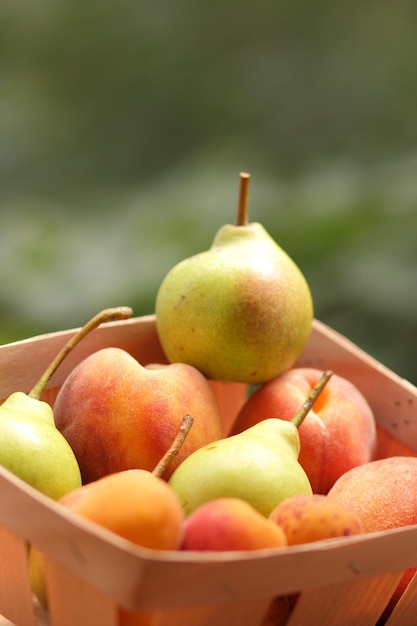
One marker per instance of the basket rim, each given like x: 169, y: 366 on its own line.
x: 136, y: 575
x: 88, y: 550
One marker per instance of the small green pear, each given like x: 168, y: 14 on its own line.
x: 259, y: 465
x: 240, y: 311
x: 31, y: 447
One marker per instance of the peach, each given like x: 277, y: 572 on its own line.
x: 230, y: 524
x: 383, y: 494
x: 338, y: 433
x: 306, y: 518
x: 117, y: 414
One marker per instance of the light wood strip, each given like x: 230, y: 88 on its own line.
x: 355, y: 603
x: 405, y: 611
x: 73, y: 602
x: 237, y: 613
x: 16, y: 600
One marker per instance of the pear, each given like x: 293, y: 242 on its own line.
x: 259, y: 465
x: 240, y: 311
x: 31, y: 447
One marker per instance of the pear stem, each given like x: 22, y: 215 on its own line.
x: 107, y: 315
x: 298, y: 418
x: 175, y: 447
x: 242, y: 218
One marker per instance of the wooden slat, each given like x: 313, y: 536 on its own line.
x: 355, y: 603
x: 73, y: 602
x: 249, y: 613
x: 130, y: 618
x: 280, y: 572
x: 23, y: 362
x: 230, y: 399
x: 393, y: 399
x: 94, y: 574
x: 278, y: 611
x: 388, y: 446
x: 405, y: 611
x: 134, y: 577
x: 16, y: 602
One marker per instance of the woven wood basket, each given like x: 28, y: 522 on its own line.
x: 97, y: 579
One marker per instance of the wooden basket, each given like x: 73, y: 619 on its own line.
x: 97, y: 579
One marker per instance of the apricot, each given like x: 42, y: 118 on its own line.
x: 230, y: 524
x: 313, y: 517
x: 134, y: 504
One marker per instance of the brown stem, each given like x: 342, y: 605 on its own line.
x: 184, y: 429
x: 298, y: 418
x: 242, y: 218
x: 107, y: 315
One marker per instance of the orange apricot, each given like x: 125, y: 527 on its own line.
x: 135, y: 505
x: 312, y: 517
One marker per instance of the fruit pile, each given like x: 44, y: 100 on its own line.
x: 144, y: 450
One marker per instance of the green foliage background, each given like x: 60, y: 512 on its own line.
x: 124, y: 125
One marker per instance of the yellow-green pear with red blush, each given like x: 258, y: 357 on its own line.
x: 259, y: 465
x: 338, y: 434
x: 241, y: 311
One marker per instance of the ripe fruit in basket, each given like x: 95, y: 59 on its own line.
x: 230, y: 524
x: 382, y: 492
x: 306, y: 518
x: 337, y: 434
x: 240, y: 311
x: 135, y: 505
x: 383, y: 495
x: 259, y: 465
x: 31, y: 447
x: 117, y: 414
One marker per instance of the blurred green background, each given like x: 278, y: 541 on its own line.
x: 124, y: 126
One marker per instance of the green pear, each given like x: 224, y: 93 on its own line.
x: 259, y: 465
x: 31, y: 447
x: 240, y: 311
